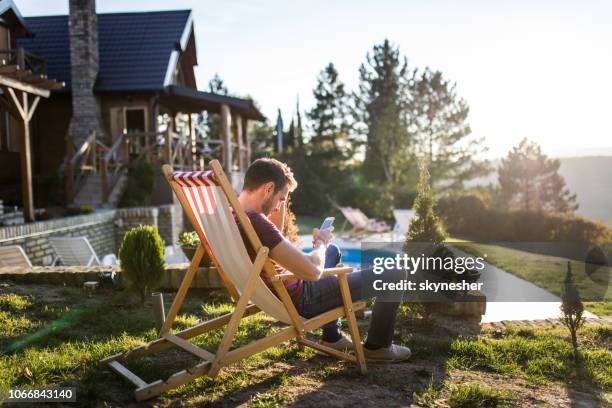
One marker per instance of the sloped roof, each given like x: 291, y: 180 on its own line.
x: 10, y: 15
x: 189, y: 100
x: 134, y: 48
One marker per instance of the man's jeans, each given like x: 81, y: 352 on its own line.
x: 324, y: 294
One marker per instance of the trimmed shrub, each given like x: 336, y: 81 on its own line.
x: 142, y: 258
x: 468, y: 216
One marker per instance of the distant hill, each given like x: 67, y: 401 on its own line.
x: 589, y: 177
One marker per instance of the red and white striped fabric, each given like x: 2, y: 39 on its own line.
x: 214, y: 217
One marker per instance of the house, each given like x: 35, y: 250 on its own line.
x: 23, y: 82
x: 130, y: 94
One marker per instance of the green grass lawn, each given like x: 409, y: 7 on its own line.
x: 547, y: 272
x: 55, y: 336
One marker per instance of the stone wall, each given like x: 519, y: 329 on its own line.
x: 128, y: 218
x: 103, y: 229
x: 99, y: 228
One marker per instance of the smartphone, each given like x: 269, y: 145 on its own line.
x: 327, y: 223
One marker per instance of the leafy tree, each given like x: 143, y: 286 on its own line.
x: 425, y: 226
x: 380, y: 112
x: 572, y: 309
x: 438, y: 120
x: 530, y: 181
x: 262, y: 139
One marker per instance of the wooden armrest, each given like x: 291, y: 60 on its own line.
x: 336, y: 271
x: 326, y: 272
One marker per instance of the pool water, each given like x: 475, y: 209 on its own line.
x: 350, y: 257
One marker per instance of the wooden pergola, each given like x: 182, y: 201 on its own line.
x: 21, y: 92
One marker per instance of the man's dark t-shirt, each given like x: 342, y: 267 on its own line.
x: 270, y: 237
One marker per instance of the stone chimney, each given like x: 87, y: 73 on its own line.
x: 84, y: 63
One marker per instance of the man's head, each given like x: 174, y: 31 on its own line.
x: 269, y: 181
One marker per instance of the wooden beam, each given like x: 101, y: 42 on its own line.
x: 226, y: 124
x: 33, y: 108
x: 191, y: 348
x: 8, y: 69
x: 26, y: 172
x: 247, y: 141
x: 17, y: 104
x: 127, y: 374
x: 24, y: 87
x: 241, y: 159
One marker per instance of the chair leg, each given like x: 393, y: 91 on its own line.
x: 352, y: 321
x: 232, y: 326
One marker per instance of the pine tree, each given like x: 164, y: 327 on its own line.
x: 299, y: 130
x: 279, y: 133
x: 425, y: 226
x: 331, y: 143
x: 380, y: 111
x: 572, y: 309
x: 530, y: 181
x: 438, y: 120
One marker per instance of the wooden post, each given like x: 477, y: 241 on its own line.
x: 191, y: 159
x: 168, y: 146
x: 238, y: 121
x: 247, y: 142
x: 226, y: 123
x: 26, y: 171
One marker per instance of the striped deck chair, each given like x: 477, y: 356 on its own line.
x: 13, y: 255
x: 208, y: 199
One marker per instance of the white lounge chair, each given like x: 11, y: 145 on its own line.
x: 74, y: 251
x: 370, y: 224
x: 402, y: 216
x: 13, y: 255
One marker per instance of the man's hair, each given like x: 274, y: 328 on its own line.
x: 265, y: 170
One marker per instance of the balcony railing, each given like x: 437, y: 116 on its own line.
x: 25, y: 60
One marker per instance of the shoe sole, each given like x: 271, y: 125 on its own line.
x: 385, y: 361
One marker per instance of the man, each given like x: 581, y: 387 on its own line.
x: 267, y: 184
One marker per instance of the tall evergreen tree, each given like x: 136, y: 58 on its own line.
x: 279, y: 133
x: 331, y: 141
x: 380, y: 111
x: 290, y: 137
x: 530, y: 181
x: 438, y: 120
x: 299, y: 130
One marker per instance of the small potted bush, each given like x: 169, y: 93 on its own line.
x: 142, y: 259
x: 189, y: 242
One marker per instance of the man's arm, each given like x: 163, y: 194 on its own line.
x: 297, y: 262
x: 304, y: 266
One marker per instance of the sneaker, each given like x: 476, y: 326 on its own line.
x: 343, y: 344
x: 391, y: 354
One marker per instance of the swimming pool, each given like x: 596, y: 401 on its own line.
x: 353, y: 257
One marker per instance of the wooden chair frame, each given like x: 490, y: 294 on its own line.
x: 210, y: 363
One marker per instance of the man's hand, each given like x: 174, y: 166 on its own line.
x: 323, y: 236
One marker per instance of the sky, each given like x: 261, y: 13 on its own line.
x: 535, y: 69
